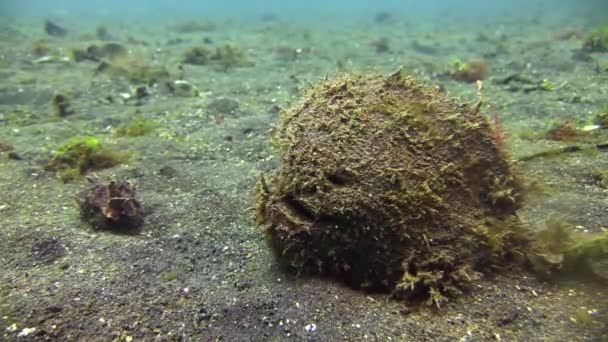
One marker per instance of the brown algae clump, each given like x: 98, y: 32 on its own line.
x: 137, y: 127
x: 565, y: 131
x: 389, y: 185
x: 197, y: 56
x: 475, y: 70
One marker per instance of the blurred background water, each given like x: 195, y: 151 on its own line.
x: 589, y: 10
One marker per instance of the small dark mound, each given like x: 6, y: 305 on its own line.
x: 112, y: 207
x: 48, y: 250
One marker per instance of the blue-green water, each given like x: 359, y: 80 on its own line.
x: 343, y: 8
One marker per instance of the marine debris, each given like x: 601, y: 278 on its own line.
x: 389, y: 185
x: 111, y: 206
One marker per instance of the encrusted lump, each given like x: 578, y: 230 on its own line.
x: 389, y: 185
x: 112, y: 206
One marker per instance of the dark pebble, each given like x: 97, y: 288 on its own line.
x: 53, y: 29
x: 14, y: 156
x: 243, y: 285
x: 203, y: 315
x: 54, y: 308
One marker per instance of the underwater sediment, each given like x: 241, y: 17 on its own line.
x: 388, y: 184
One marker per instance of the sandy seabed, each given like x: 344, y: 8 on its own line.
x: 199, y: 270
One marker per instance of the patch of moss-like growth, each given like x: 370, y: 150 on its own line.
x: 228, y: 56
x: 197, y: 56
x: 559, y: 250
x: 141, y: 74
x: 597, y: 40
x: 600, y: 178
x: 81, y: 154
x: 40, y: 48
x: 136, y: 71
x: 389, y: 185
x: 137, y: 127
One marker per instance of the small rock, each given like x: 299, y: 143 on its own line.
x: 102, y: 33
x: 183, y: 88
x: 54, y: 308
x: 243, y: 285
x: 203, y: 315
x: 310, y: 328
x: 14, y: 156
x: 53, y: 29
x: 62, y: 105
x: 141, y: 92
x: 26, y: 331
